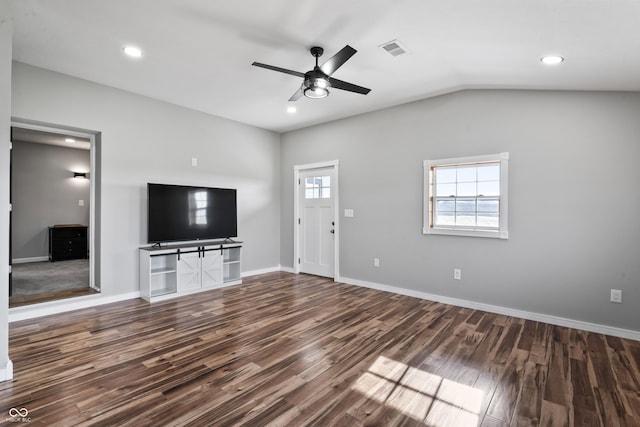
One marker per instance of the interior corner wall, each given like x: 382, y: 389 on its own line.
x: 573, y: 199
x: 45, y: 193
x: 6, y: 34
x: 145, y: 140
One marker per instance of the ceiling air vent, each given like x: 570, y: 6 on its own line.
x: 394, y: 47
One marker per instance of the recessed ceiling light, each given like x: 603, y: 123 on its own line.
x: 69, y: 140
x: 291, y: 109
x: 132, y: 51
x: 551, y: 60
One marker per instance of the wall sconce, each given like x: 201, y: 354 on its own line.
x: 80, y: 175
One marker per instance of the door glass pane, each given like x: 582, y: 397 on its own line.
x: 317, y: 187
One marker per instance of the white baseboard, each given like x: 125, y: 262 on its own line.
x: 537, y: 317
x: 260, y: 271
x: 54, y: 307
x: 6, y: 374
x: 27, y: 260
x: 287, y: 269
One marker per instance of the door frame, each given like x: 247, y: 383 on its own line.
x: 297, y: 169
x: 94, y: 174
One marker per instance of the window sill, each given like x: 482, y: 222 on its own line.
x: 504, y: 235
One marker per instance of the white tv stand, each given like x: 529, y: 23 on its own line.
x: 173, y: 270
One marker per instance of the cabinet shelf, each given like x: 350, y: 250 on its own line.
x: 162, y: 291
x: 156, y: 271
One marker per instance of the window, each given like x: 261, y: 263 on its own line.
x: 317, y: 187
x: 466, y: 196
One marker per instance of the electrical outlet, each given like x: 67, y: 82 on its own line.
x: 457, y: 274
x: 194, y: 161
x: 376, y: 262
x: 616, y: 296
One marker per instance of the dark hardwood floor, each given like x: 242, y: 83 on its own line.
x: 19, y: 301
x: 295, y: 350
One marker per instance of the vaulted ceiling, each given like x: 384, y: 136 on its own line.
x: 198, y: 53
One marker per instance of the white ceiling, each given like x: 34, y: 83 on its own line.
x: 198, y: 53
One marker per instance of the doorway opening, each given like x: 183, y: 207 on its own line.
x: 53, y: 228
x: 316, y: 228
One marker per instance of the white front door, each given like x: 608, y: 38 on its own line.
x: 316, y: 222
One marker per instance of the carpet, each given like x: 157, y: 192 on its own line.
x: 40, y: 277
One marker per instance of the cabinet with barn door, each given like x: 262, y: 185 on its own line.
x: 199, y: 267
x: 171, y: 271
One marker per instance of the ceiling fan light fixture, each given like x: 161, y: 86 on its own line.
x: 321, y: 83
x: 315, y: 92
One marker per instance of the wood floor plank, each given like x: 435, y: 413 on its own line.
x: 296, y: 350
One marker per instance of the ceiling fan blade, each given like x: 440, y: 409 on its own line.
x: 337, y: 60
x: 281, y: 70
x: 297, y: 95
x: 339, y: 84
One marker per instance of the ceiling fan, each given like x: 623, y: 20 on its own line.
x: 318, y: 81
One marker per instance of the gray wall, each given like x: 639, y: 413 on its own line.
x: 573, y: 199
x: 44, y: 193
x: 144, y: 140
x: 6, y: 29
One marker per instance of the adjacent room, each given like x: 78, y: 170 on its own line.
x: 322, y: 213
x: 50, y: 216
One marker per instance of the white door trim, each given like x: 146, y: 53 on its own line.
x: 297, y: 169
x: 91, y: 135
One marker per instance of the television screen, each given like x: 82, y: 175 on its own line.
x: 181, y: 213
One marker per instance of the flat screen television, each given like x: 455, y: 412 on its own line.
x: 182, y: 213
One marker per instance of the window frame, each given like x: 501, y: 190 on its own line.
x: 428, y: 197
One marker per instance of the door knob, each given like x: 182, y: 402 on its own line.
x: 332, y: 231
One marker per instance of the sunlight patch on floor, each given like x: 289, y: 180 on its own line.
x: 421, y: 395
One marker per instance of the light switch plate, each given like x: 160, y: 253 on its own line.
x: 348, y: 213
x: 616, y: 296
